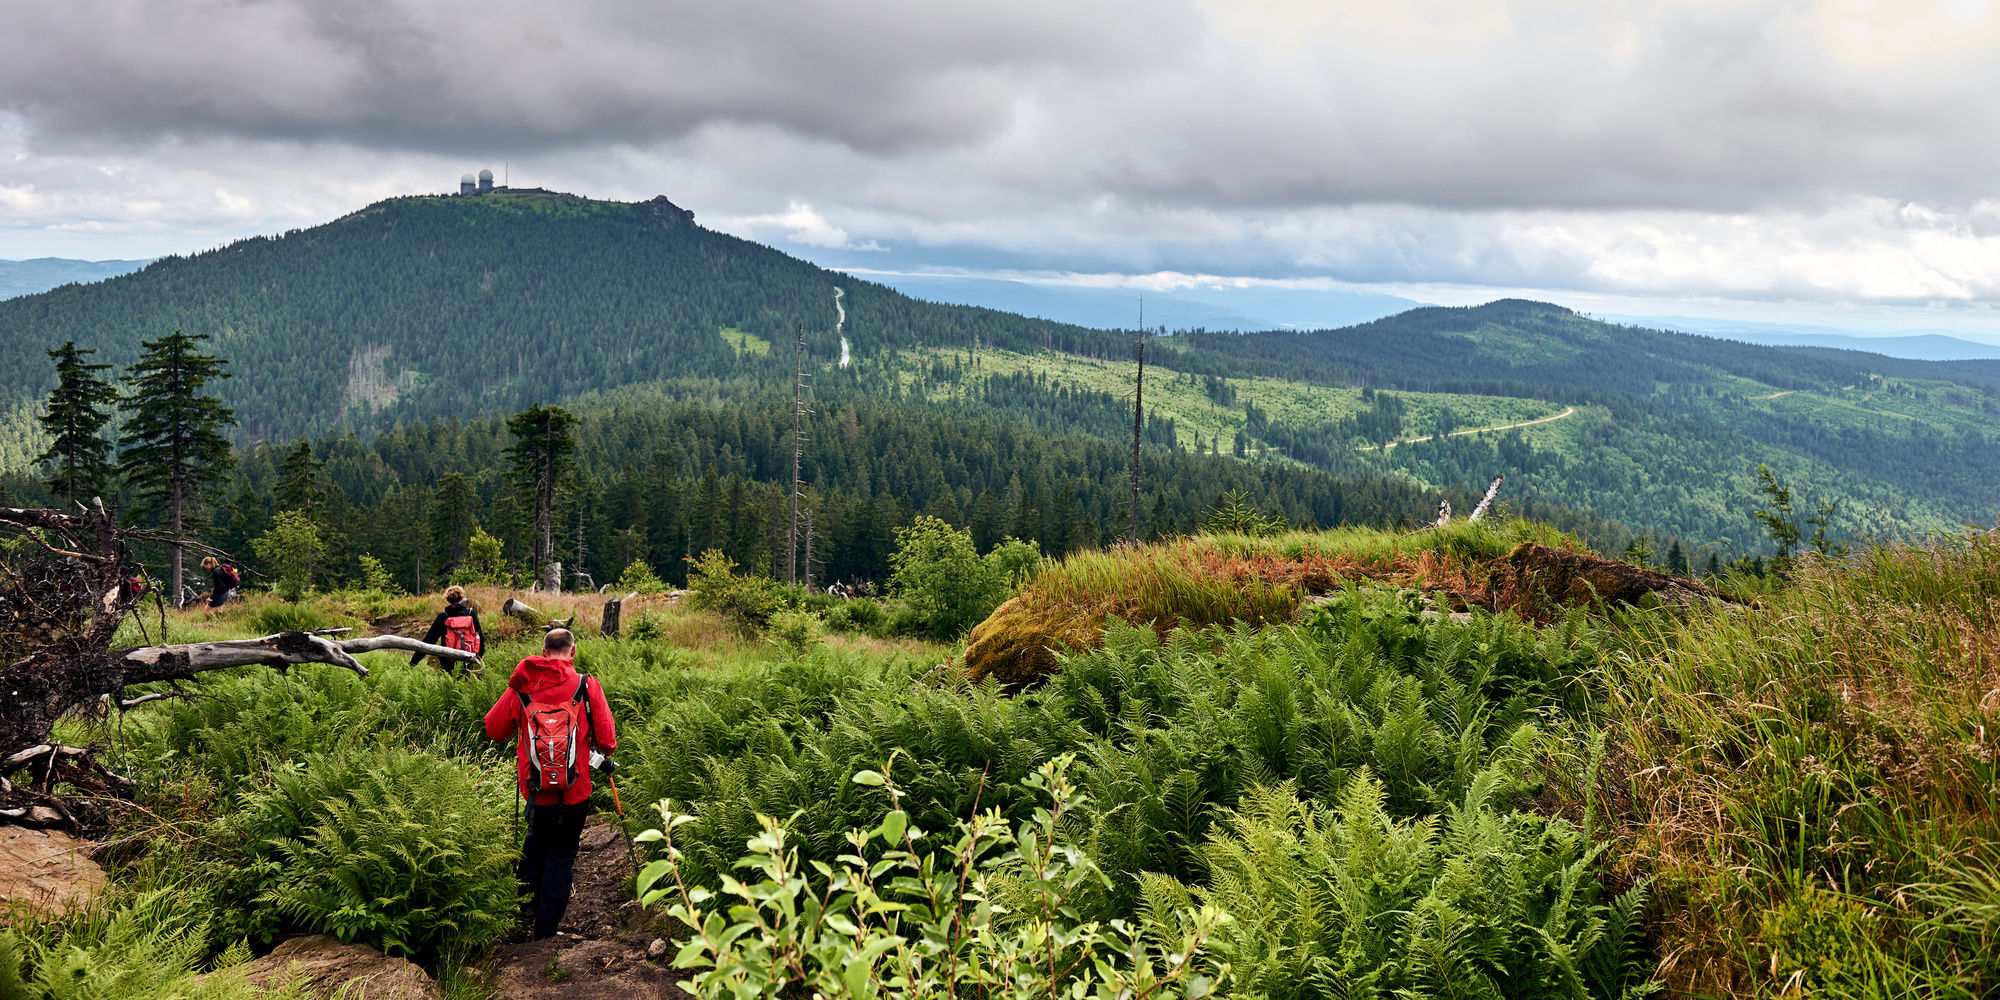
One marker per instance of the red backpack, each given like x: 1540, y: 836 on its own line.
x: 461, y: 633
x: 555, y: 733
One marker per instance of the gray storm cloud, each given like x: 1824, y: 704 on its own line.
x: 515, y: 74
x: 1554, y: 105
x: 1743, y: 147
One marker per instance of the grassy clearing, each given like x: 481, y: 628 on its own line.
x: 1199, y: 418
x: 746, y: 343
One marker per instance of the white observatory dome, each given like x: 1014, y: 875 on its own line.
x: 486, y: 176
x: 467, y: 179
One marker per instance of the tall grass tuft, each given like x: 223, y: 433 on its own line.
x: 1817, y: 779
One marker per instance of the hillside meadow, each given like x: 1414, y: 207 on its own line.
x: 1298, y: 765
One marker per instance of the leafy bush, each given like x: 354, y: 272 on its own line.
x: 856, y: 614
x: 404, y: 850
x: 1352, y: 902
x: 485, y: 560
x: 639, y: 577
x: 747, y: 600
x: 292, y: 547
x: 986, y: 916
x: 795, y: 631
x: 948, y: 585
x: 375, y: 577
x: 647, y: 628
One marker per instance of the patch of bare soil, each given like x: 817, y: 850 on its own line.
x: 605, y: 947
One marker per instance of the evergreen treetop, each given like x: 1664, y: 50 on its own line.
x: 78, y: 457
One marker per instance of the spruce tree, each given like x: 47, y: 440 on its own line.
x: 454, y: 513
x: 300, y: 489
x: 79, y: 458
x: 299, y: 484
x: 544, y: 443
x: 172, y: 452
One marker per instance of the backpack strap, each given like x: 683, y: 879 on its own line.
x: 589, y: 715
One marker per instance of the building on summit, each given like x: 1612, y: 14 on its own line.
x: 483, y: 184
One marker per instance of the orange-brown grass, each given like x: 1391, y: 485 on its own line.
x: 1814, y: 782
x: 1210, y: 580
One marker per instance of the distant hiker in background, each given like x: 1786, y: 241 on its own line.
x: 222, y: 582
x: 561, y: 717
x: 134, y: 585
x: 458, y: 626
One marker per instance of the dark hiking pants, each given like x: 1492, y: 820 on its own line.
x: 548, y: 857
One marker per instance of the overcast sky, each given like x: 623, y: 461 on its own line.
x: 1833, y: 162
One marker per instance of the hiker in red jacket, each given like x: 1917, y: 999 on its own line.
x: 562, y: 716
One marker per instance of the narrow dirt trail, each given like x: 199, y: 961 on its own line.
x: 601, y: 952
x: 1567, y: 411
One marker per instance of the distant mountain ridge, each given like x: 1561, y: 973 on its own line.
x: 39, y: 274
x: 1210, y: 308
x: 1915, y: 346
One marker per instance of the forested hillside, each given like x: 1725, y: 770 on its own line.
x: 440, y: 306
x: 422, y: 309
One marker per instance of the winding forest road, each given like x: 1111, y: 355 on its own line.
x: 838, y: 294
x: 1567, y: 411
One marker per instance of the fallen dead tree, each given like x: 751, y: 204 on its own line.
x: 65, y: 604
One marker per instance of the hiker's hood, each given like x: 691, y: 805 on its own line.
x: 538, y: 673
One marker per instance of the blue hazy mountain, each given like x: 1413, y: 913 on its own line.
x: 26, y: 277
x: 1210, y: 308
x: 1916, y: 346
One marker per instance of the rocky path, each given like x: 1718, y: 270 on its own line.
x: 606, y: 946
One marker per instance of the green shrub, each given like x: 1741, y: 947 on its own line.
x: 795, y: 631
x: 748, y: 600
x: 856, y: 614
x: 948, y: 585
x: 647, y: 628
x: 987, y: 916
x: 375, y: 577
x: 639, y: 577
x: 292, y: 548
x: 401, y: 849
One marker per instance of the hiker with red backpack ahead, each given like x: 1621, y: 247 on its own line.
x: 222, y: 582
x: 457, y: 627
x: 561, y: 717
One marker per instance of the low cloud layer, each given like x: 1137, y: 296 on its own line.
x: 1837, y: 151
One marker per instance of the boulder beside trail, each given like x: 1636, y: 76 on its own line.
x: 47, y: 869
x: 326, y: 967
